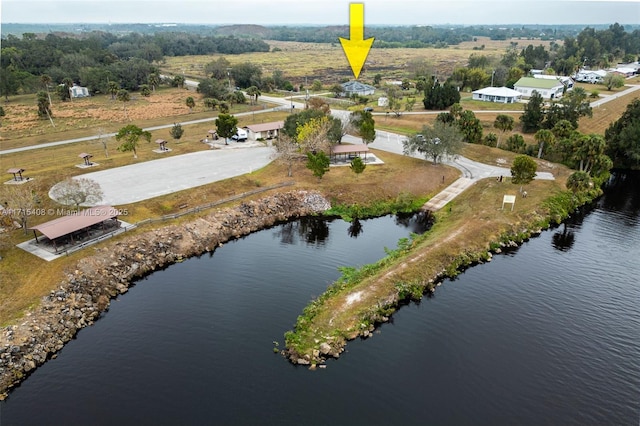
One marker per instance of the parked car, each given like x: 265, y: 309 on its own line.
x: 240, y: 136
x: 368, y: 109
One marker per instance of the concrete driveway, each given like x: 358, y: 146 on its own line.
x: 137, y: 182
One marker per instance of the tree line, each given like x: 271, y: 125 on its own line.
x: 94, y: 59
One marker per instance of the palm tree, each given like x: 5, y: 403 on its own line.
x: 46, y: 81
x: 504, y: 123
x: 124, y: 97
x: 68, y: 84
x: 253, y: 91
x: 544, y: 136
x: 113, y: 88
x: 154, y: 80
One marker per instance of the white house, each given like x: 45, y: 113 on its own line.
x: 567, y: 81
x: 79, y: 92
x: 590, y: 76
x: 264, y: 130
x: 383, y: 101
x: 497, y: 94
x: 547, y: 88
x: 353, y: 87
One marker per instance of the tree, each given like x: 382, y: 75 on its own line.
x: 533, y: 114
x: 223, y: 107
x: 515, y: 143
x: 316, y: 86
x: 227, y: 126
x: 491, y: 140
x: 64, y: 89
x: 190, y: 102
x: 124, y: 97
x: 319, y: 104
x: 337, y: 90
x: 287, y: 151
x: 210, y: 103
x: 578, y: 182
x: 154, y: 80
x: 77, y: 191
x: 211, y: 88
x: 218, y: 69
x: 435, y: 142
x: 246, y: 75
x: 523, y: 169
x: 253, y: 93
x: 312, y: 135
x: 318, y: 163
x: 571, y: 107
x: 364, y: 124
x: 176, y: 131
x: 588, y: 151
x: 470, y: 127
x: 357, y: 165
x: 46, y: 81
x: 2, y: 114
x: 112, y: 88
x: 44, y: 107
x: 504, y: 123
x: 130, y: 136
x: 178, y: 81
x: 438, y: 97
x: 623, y: 138
x: 613, y: 81
x: 145, y: 91
x: 545, y: 139
x: 409, y: 104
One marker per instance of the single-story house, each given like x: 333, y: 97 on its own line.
x: 590, y: 76
x: 567, y: 81
x: 625, y: 72
x: 353, y: 87
x: 264, y: 130
x: 497, y: 94
x: 548, y: 89
x: 79, y: 91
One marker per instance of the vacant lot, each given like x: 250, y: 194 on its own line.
x: 305, y: 62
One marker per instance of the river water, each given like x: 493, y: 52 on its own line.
x: 548, y: 333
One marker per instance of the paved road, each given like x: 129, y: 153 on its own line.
x: 141, y: 181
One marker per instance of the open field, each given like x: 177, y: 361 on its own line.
x: 86, y: 116
x: 327, y: 63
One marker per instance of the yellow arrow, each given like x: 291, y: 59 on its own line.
x: 357, y: 48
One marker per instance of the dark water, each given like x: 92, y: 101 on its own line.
x: 546, y: 334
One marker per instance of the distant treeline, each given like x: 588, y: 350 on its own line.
x: 94, y: 59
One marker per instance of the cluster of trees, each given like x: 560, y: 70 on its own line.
x: 591, y: 47
x: 571, y: 107
x: 439, y: 96
x: 94, y: 60
x: 310, y: 134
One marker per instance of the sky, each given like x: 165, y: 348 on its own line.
x: 322, y: 12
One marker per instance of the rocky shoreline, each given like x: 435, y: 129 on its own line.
x: 86, y: 292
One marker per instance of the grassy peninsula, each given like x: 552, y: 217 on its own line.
x: 467, y: 231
